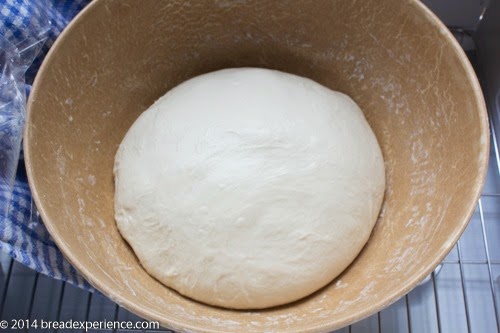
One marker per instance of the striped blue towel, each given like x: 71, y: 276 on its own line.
x: 27, y: 30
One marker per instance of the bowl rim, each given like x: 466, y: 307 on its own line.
x: 179, y: 326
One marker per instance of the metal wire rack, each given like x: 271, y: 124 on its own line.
x: 461, y: 295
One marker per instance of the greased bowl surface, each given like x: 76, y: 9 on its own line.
x: 394, y: 58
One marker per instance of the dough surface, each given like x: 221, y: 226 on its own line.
x: 248, y: 188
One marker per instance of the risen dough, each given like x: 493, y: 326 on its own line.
x: 248, y: 188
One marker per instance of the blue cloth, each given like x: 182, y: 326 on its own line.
x: 27, y: 30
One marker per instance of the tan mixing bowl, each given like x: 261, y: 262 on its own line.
x: 395, y: 59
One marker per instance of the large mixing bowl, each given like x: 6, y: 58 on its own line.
x: 393, y: 57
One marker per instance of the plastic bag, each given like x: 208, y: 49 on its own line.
x: 23, y: 29
x: 27, y: 30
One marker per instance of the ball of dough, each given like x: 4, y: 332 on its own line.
x: 248, y: 188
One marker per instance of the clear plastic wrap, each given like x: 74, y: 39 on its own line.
x: 23, y: 31
x: 27, y: 30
